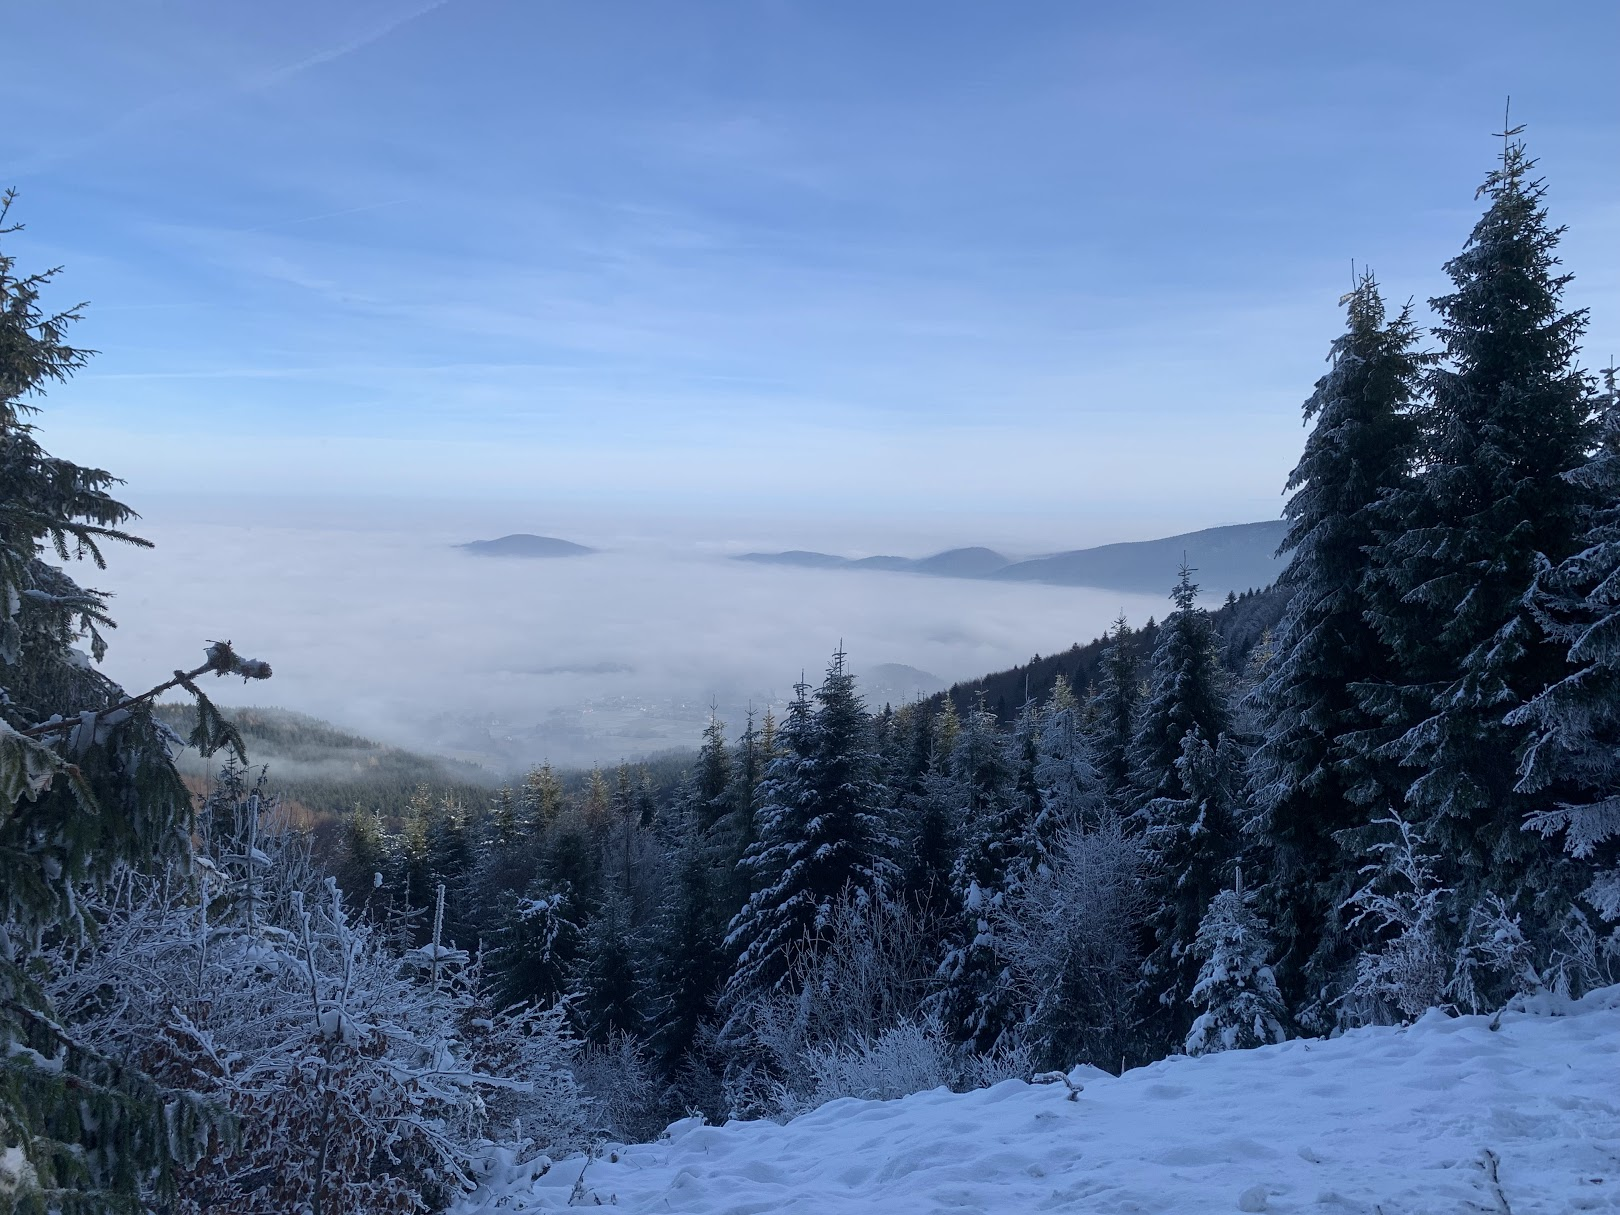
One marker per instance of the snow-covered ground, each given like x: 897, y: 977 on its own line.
x: 1398, y: 1121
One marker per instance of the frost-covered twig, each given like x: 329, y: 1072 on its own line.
x: 1491, y: 1162
x: 222, y: 660
x: 1074, y: 1086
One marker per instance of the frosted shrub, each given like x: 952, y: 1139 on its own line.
x: 1412, y: 972
x: 358, y: 1081
x: 1070, y: 934
x: 863, y: 971
x: 866, y: 970
x: 624, y: 1090
x: 1008, y: 1061
x: 906, y: 1058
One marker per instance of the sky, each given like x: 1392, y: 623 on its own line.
x: 1046, y: 267
x: 681, y: 280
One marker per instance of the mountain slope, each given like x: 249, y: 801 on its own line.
x: 1238, y: 557
x: 1447, y: 1115
x: 1235, y: 558
x: 1239, y: 624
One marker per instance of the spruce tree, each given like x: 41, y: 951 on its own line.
x: 1571, y: 771
x: 503, y: 863
x: 1312, y: 781
x: 735, y: 832
x: 1187, y: 691
x: 823, y: 831
x: 413, y: 879
x: 927, y: 822
x: 689, y: 960
x: 365, y: 859
x: 88, y: 790
x: 541, y: 800
x: 1236, y: 990
x: 756, y: 937
x: 1069, y: 789
x: 537, y: 947
x: 1111, y: 713
x: 596, y: 807
x: 1507, y: 418
x: 713, y: 774
x: 607, y: 996
x: 450, y: 863
x: 1192, y: 839
x: 975, y: 1003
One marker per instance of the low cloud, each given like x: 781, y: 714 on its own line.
x: 389, y: 630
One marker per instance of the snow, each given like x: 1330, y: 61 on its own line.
x: 1394, y: 1120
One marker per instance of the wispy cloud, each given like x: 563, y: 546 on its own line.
x: 179, y: 103
x: 310, y: 219
x: 374, y: 33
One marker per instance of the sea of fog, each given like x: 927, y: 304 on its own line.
x: 377, y: 622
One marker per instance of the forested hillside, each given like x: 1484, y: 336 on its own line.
x: 1241, y: 623
x: 1386, y: 787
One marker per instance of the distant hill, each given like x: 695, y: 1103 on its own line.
x: 521, y: 544
x: 1238, y: 557
x: 896, y: 683
x: 814, y: 561
x: 962, y: 563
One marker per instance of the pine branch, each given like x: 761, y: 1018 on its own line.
x: 222, y: 660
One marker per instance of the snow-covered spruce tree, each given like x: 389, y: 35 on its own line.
x: 1070, y: 790
x: 707, y: 833
x: 975, y: 1004
x: 412, y: 882
x: 1309, y: 784
x: 364, y: 861
x: 504, y: 858
x: 688, y: 962
x: 1236, y: 990
x: 1186, y: 690
x: 537, y: 946
x: 1192, y: 840
x: 1507, y: 418
x: 1111, y: 711
x: 1571, y: 769
x: 737, y: 829
x: 540, y: 800
x: 87, y: 788
x: 823, y: 829
x: 451, y: 860
x: 607, y: 995
x: 631, y: 857
x: 928, y: 825
x: 713, y: 775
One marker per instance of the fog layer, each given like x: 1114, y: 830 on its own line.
x: 390, y: 630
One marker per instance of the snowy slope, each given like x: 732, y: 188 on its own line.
x: 1392, y: 1120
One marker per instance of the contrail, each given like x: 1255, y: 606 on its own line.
x: 337, y: 52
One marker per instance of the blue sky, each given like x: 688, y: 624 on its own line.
x: 1054, y: 258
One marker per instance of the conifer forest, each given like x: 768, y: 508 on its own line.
x: 1387, y: 785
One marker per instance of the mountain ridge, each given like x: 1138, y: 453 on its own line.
x: 1232, y: 557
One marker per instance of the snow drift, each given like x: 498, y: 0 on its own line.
x: 1448, y: 1115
